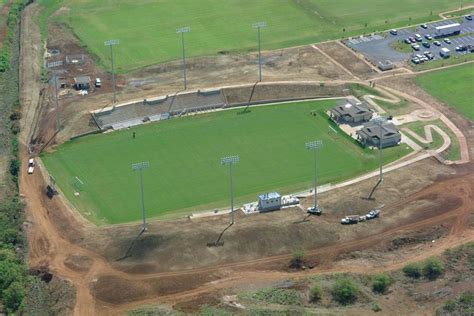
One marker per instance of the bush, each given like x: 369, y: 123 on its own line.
x: 345, y: 291
x: 275, y: 296
x: 297, y: 259
x: 433, y: 268
x: 412, y: 270
x: 380, y: 283
x: 14, y: 167
x: 315, y: 293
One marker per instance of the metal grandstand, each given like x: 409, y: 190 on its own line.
x: 161, y: 108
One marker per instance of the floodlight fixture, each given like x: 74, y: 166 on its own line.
x: 140, y: 166
x: 315, y: 145
x: 111, y: 43
x: 258, y: 26
x: 230, y: 161
x: 182, y: 31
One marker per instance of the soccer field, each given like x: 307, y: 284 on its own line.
x: 455, y: 86
x: 185, y: 174
x: 147, y: 29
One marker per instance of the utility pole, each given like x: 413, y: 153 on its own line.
x: 111, y: 43
x: 258, y: 26
x: 315, y: 146
x: 52, y: 65
x: 139, y: 167
x: 231, y: 160
x: 379, y: 121
x: 181, y: 31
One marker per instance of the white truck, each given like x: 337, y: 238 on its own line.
x: 444, y: 52
x: 448, y: 29
x: 31, y: 166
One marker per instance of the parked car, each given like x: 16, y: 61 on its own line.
x: 424, y: 26
x: 428, y: 37
x: 447, y: 41
x: 393, y: 32
x: 314, y: 210
x: 437, y: 43
x: 31, y: 166
x: 468, y: 17
x: 415, y: 60
x: 415, y: 47
x: 351, y: 219
x: 412, y: 39
x: 418, y: 38
x: 373, y: 214
x: 461, y: 48
x: 98, y: 83
x: 426, y: 44
x: 407, y: 41
x: 429, y: 55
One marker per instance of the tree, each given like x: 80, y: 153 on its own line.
x: 412, y: 270
x: 433, y: 268
x: 380, y: 283
x: 315, y: 293
x: 13, y: 296
x: 345, y: 291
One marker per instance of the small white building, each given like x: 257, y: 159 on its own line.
x: 269, y: 202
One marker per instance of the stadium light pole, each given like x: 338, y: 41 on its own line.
x: 139, y: 167
x: 379, y: 121
x: 181, y: 31
x: 315, y: 146
x: 230, y: 161
x: 258, y: 26
x: 52, y: 65
x: 111, y: 43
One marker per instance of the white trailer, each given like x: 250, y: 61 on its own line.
x: 448, y: 29
x: 444, y: 52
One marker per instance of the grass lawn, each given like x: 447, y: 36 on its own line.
x: 147, y: 29
x: 454, y: 86
x: 184, y: 153
x: 452, y: 153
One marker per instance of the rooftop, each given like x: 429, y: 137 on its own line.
x: 82, y: 79
x: 271, y: 195
x: 351, y: 107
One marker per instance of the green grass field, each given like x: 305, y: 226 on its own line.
x: 454, y: 86
x: 184, y: 153
x: 147, y: 29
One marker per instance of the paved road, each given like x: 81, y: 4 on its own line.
x: 377, y: 47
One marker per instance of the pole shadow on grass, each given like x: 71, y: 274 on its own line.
x: 304, y: 220
x: 129, y: 250
x: 218, y: 242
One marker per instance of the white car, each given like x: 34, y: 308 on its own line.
x: 31, y: 166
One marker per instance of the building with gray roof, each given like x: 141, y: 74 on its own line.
x: 350, y: 111
x: 370, y: 134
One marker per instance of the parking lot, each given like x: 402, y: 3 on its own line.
x: 378, y: 47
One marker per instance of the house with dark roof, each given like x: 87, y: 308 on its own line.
x: 350, y: 111
x: 371, y: 134
x: 82, y: 83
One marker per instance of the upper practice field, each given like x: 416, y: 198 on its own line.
x: 184, y: 154
x: 147, y: 29
x: 454, y: 86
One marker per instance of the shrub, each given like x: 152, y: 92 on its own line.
x: 315, y: 293
x: 380, y: 283
x: 297, y: 259
x: 345, y: 291
x: 275, y: 296
x: 14, y: 167
x: 412, y: 270
x: 433, y: 268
